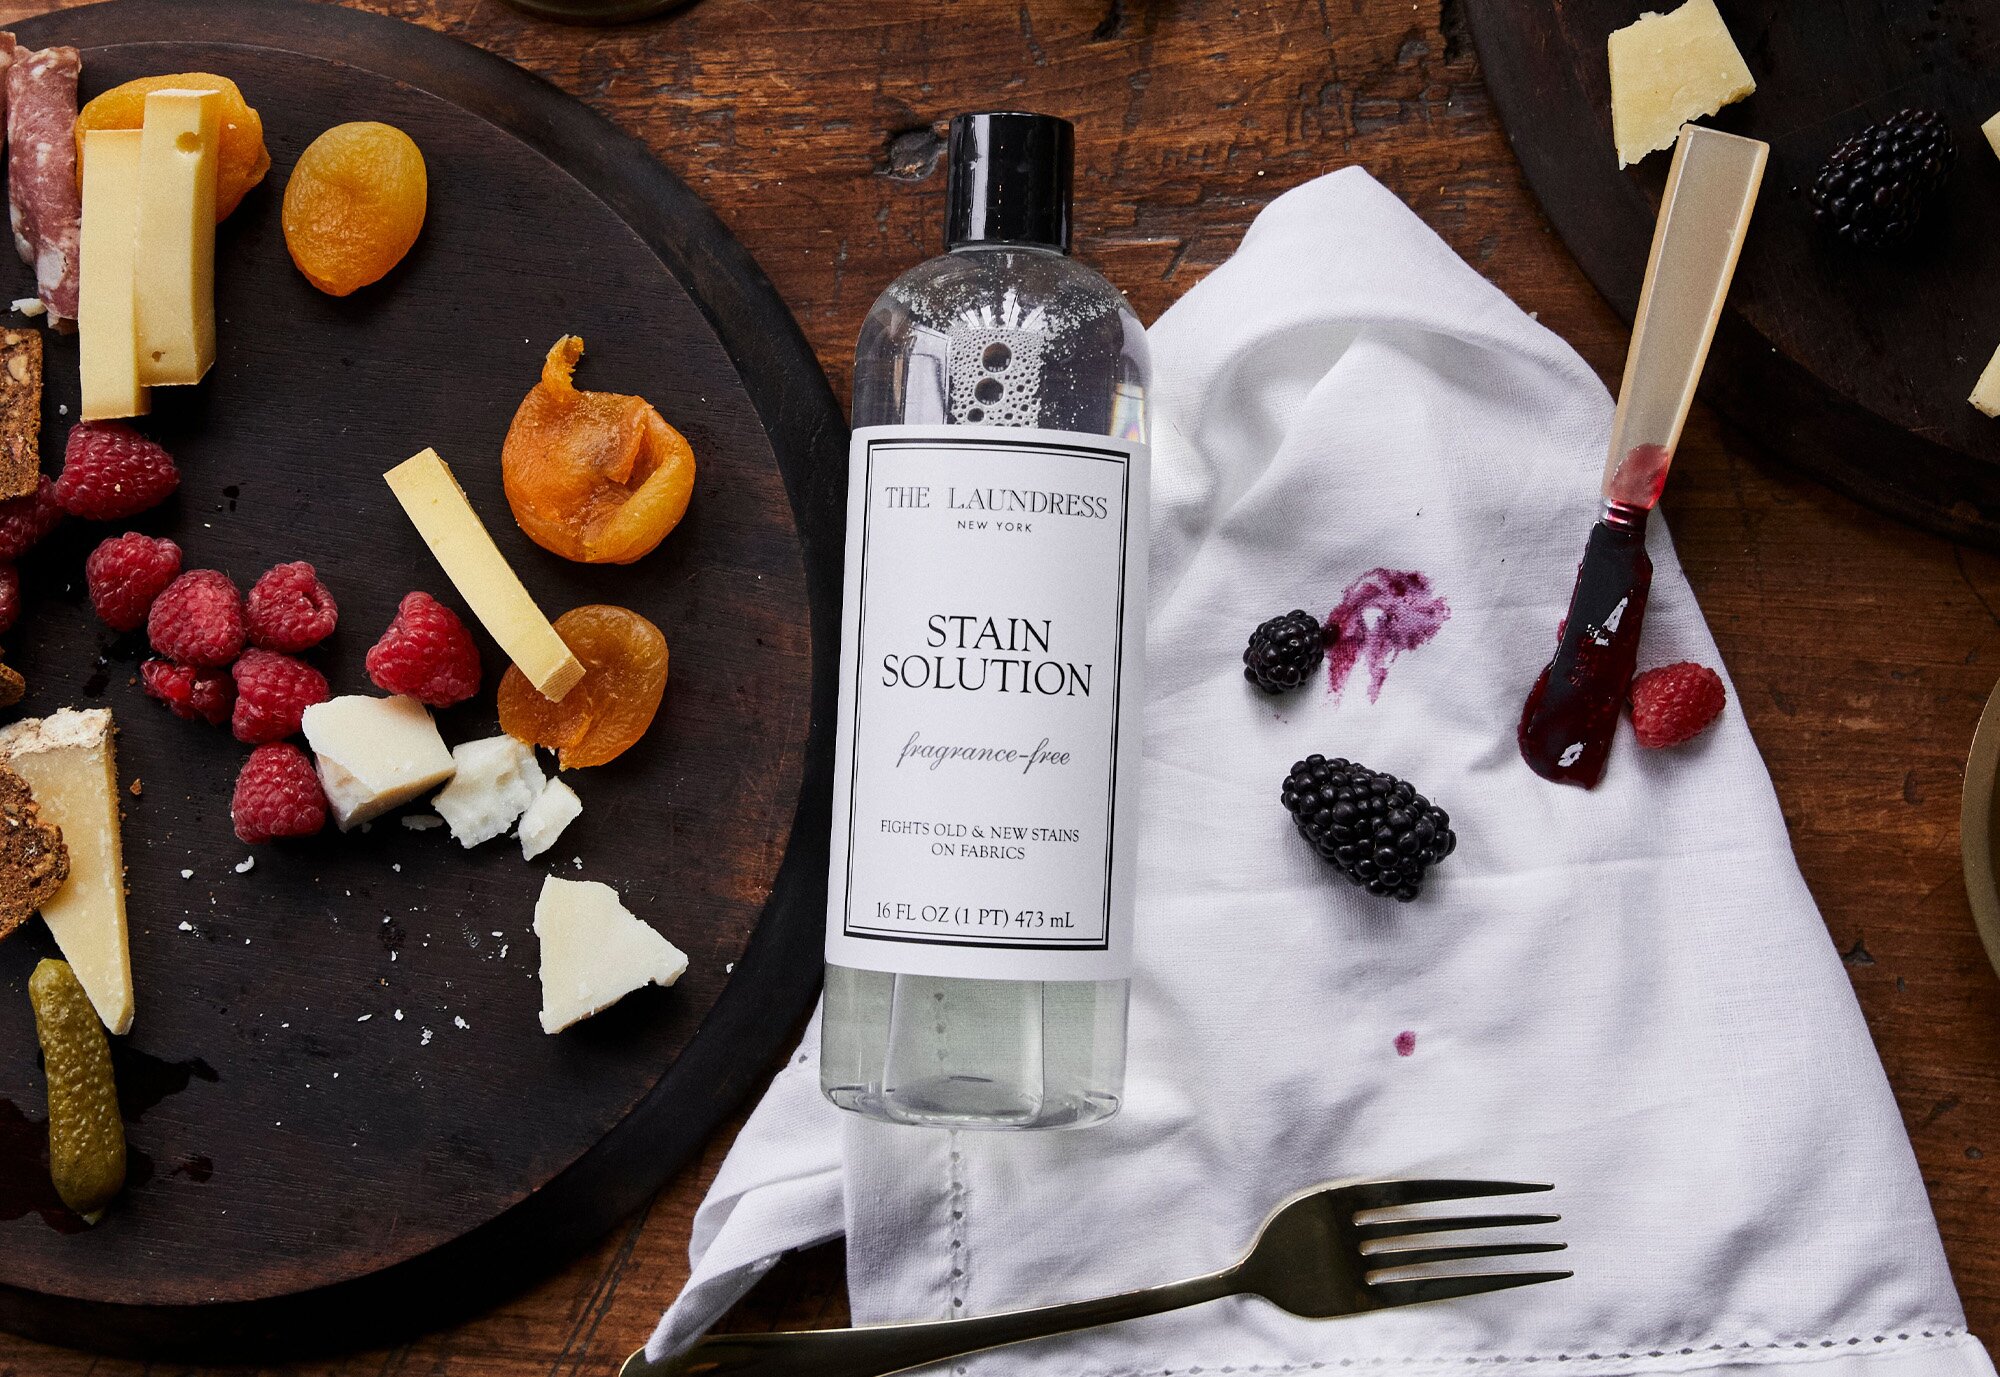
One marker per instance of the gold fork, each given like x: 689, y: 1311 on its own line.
x: 1322, y: 1254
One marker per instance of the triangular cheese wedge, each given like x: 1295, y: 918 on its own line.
x: 594, y: 951
x: 67, y: 760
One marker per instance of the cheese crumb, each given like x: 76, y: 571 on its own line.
x: 246, y: 865
x: 187, y: 874
x: 29, y: 306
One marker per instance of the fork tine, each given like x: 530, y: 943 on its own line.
x: 1412, y: 1257
x: 1393, y: 1293
x: 1382, y: 1195
x: 1397, y: 1228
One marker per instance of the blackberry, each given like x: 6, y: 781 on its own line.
x: 1378, y: 830
x: 1284, y: 651
x: 1876, y: 186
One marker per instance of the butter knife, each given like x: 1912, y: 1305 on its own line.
x: 1571, y: 715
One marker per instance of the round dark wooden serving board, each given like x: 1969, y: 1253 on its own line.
x: 1853, y: 366
x: 345, y: 1120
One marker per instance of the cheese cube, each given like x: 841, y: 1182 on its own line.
x: 1667, y: 69
x: 1986, y: 392
x: 178, y: 152
x: 495, y: 781
x: 547, y: 817
x: 594, y: 951
x: 107, y: 305
x: 438, y: 508
x: 68, y: 761
x: 374, y: 754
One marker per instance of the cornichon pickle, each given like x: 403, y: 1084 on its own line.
x: 86, y: 1136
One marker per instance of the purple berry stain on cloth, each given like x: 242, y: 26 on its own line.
x: 1382, y: 614
x: 1406, y: 1043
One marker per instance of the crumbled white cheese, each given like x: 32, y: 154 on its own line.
x: 493, y: 782
x: 246, y: 865
x: 29, y: 306
x: 542, y: 825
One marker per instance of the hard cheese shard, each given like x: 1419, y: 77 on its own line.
x: 107, y: 308
x: 374, y: 754
x: 68, y: 761
x: 1667, y: 69
x: 1986, y: 393
x: 178, y: 152
x: 437, y: 507
x: 594, y: 951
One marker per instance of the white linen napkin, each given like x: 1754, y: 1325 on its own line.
x: 1627, y: 992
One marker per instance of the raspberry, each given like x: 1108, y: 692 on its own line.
x: 272, y: 693
x: 277, y: 795
x: 125, y: 574
x: 25, y: 520
x: 10, y: 597
x: 1675, y: 703
x: 426, y: 653
x: 111, y: 471
x: 289, y: 609
x: 195, y: 695
x: 198, y: 620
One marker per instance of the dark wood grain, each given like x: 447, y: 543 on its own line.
x: 1862, y: 650
x: 359, y: 1120
x: 1855, y: 366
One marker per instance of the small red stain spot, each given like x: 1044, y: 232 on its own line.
x: 1406, y: 1043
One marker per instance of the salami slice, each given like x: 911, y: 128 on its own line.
x: 42, y: 201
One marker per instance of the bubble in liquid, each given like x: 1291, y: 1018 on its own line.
x: 996, y: 376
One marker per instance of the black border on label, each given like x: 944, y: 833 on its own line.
x: 1111, y: 452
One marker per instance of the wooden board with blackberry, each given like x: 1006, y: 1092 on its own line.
x: 1865, y: 311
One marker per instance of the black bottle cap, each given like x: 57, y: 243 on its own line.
x: 1008, y: 180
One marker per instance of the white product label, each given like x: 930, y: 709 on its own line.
x: 986, y: 763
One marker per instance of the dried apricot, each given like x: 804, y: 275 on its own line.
x: 624, y: 674
x: 598, y: 477
x: 242, y: 160
x: 354, y: 205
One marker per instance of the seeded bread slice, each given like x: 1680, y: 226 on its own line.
x: 34, y: 863
x: 20, y: 411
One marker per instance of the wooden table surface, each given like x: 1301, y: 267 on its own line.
x: 1862, y: 651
